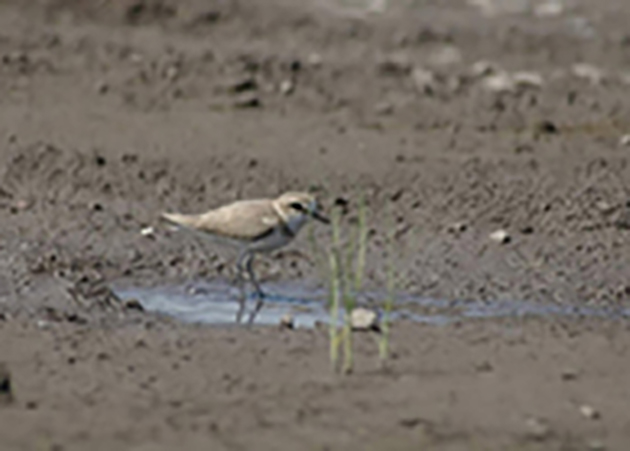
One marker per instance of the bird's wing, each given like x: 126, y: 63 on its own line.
x: 243, y: 220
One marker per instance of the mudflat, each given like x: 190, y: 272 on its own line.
x: 491, y: 136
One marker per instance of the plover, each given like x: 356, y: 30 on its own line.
x: 253, y: 226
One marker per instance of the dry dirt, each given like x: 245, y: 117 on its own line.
x: 115, y: 110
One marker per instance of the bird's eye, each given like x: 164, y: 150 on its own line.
x: 297, y: 206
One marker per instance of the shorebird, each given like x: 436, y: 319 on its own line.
x: 253, y: 226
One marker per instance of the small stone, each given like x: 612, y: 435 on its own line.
x: 457, y: 227
x: 549, y: 9
x: 423, y: 79
x: 19, y: 206
x: 147, y: 231
x: 589, y: 412
x: 383, y: 108
x: 569, y: 374
x: 286, y: 87
x: 537, y: 429
x: 6, y: 391
x: 604, y: 207
x: 396, y: 64
x: 446, y: 56
x: 527, y: 230
x: 623, y: 220
x: 624, y: 140
x: 363, y: 319
x: 499, y: 82
x: 546, y: 127
x: 314, y: 60
x: 483, y: 68
x: 287, y: 321
x: 247, y: 100
x: 500, y: 236
x: 528, y: 79
x: 133, y: 304
x: 172, y: 72
x: 102, y: 87
x: 243, y: 84
x: 588, y: 72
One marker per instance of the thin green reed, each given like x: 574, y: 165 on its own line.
x: 335, y: 289
x: 383, y: 341
x: 362, y: 245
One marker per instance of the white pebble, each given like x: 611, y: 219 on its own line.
x: 446, y: 56
x: 286, y: 87
x: 363, y: 319
x: 589, y: 412
x: 500, y: 82
x: 528, y: 79
x: 423, y: 79
x: 147, y: 231
x: 549, y: 9
x: 588, y: 72
x: 500, y: 236
x: 483, y: 68
x: 287, y: 321
x: 314, y: 60
x: 624, y: 140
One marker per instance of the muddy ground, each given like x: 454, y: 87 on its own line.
x: 113, y: 111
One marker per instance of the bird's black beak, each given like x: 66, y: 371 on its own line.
x: 320, y: 217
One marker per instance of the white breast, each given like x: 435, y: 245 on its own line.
x: 271, y: 242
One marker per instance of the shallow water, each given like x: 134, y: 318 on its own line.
x: 217, y: 303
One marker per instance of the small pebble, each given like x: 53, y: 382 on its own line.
x: 147, y: 231
x: 446, y: 56
x: 537, y: 429
x: 549, y: 9
x: 314, y: 60
x: 133, y: 304
x: 396, y: 64
x: 588, y: 72
x: 423, y: 79
x: 247, y: 100
x: 483, y: 68
x: 589, y: 412
x: 499, y: 82
x: 383, y: 108
x: 102, y: 87
x: 286, y: 87
x: 363, y: 319
x: 569, y: 374
x: 457, y: 227
x: 624, y: 140
x: 242, y: 85
x: 287, y: 321
x: 500, y: 236
x: 528, y: 79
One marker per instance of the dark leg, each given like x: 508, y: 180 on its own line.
x: 252, y: 277
x: 259, y: 293
x: 240, y: 280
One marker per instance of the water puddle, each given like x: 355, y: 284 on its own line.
x: 217, y: 303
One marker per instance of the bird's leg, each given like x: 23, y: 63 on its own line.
x: 252, y: 277
x: 241, y: 285
x: 260, y: 295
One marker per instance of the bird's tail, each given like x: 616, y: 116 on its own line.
x: 189, y: 221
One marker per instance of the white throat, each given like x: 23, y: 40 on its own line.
x: 295, y: 223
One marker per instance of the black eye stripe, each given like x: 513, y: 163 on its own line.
x: 297, y: 206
